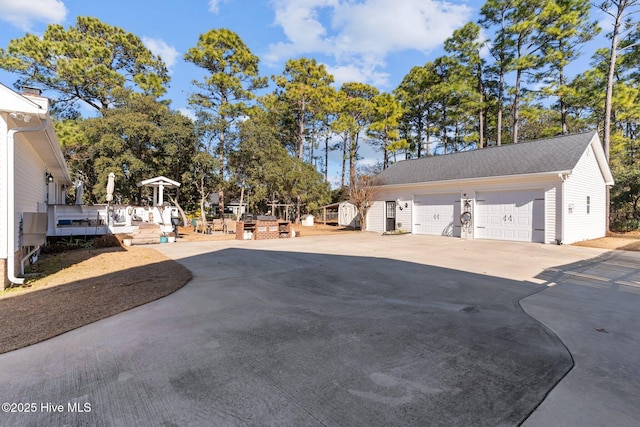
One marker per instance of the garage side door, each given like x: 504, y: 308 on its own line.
x: 437, y: 214
x: 510, y: 215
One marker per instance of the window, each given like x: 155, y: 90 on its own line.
x: 588, y: 204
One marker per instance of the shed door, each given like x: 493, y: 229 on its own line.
x: 510, y: 215
x: 437, y: 214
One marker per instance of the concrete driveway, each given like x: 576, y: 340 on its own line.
x: 352, y: 330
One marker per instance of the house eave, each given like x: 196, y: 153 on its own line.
x: 601, y: 158
x: 490, y: 179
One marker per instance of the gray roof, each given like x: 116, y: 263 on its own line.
x: 545, y: 155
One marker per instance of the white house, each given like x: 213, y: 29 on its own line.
x: 33, y: 175
x: 549, y: 191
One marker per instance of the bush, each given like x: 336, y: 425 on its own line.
x: 106, y: 241
x: 58, y: 245
x: 625, y: 225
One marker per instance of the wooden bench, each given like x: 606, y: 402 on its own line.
x: 218, y: 225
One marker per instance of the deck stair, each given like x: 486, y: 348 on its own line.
x: 147, y: 233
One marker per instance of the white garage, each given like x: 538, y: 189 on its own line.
x: 548, y: 191
x: 510, y: 215
x: 437, y: 214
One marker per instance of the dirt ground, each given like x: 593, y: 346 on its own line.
x: 87, y: 285
x: 619, y: 241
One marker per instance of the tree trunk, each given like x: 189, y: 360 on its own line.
x: 563, y: 106
x: 562, y: 101
x: 353, y: 151
x: 240, y: 209
x: 203, y: 198
x: 385, y: 161
x: 481, y: 112
x: 516, y: 107
x: 326, y: 157
x: 221, y: 156
x: 500, y: 98
x: 419, y: 139
x: 301, y: 129
x: 606, y: 139
x: 344, y: 158
x: 185, y: 221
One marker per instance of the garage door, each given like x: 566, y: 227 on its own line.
x: 437, y: 214
x: 510, y: 215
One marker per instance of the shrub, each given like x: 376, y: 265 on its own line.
x: 106, y: 241
x: 626, y: 225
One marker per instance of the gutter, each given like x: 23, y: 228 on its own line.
x: 10, y: 191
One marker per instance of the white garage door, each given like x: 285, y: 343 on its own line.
x: 437, y: 214
x: 510, y: 215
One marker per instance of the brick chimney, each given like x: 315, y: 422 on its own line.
x: 26, y: 90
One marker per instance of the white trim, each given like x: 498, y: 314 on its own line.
x: 157, y: 181
x: 477, y: 181
x: 605, y: 170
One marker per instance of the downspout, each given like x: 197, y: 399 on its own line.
x: 10, y: 189
x: 563, y: 177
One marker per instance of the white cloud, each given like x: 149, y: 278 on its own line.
x: 214, y: 5
x: 187, y: 113
x: 485, y: 51
x: 23, y: 14
x: 159, y: 47
x: 359, y: 34
x: 357, y: 73
x: 381, y: 26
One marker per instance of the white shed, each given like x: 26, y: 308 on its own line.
x: 33, y: 176
x: 307, y: 220
x: 549, y: 191
x: 348, y: 215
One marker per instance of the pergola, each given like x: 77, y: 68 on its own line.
x: 159, y: 184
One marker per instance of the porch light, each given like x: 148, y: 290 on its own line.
x: 49, y: 178
x: 20, y: 116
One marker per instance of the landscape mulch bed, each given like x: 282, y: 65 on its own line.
x: 92, y: 284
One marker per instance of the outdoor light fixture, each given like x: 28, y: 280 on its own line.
x: 49, y: 178
x: 20, y: 116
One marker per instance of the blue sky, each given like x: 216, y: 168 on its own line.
x: 371, y: 41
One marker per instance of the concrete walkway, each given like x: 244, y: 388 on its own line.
x: 595, y: 310
x: 352, y: 330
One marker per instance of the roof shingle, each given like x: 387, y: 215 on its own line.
x: 545, y: 155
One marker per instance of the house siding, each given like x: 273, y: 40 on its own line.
x: 30, y: 175
x: 550, y: 215
x: 375, y: 217
x: 584, y: 220
x: 403, y: 216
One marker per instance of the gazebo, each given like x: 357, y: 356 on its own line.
x: 159, y: 184
x: 157, y: 212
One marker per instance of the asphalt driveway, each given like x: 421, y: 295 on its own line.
x: 331, y: 330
